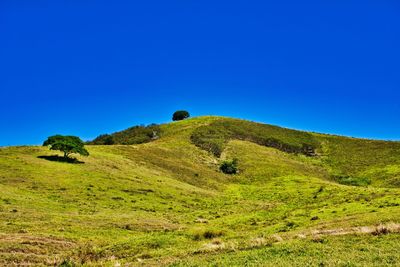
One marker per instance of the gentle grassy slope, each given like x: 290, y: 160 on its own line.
x: 377, y: 161
x: 348, y: 160
x: 216, y: 135
x: 165, y: 203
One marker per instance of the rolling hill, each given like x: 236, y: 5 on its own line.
x: 299, y: 198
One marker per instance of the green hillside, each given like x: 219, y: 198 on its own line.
x: 299, y: 199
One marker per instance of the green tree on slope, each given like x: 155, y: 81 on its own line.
x: 66, y: 144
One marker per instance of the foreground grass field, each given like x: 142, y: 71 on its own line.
x: 165, y: 202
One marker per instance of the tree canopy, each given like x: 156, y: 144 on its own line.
x: 66, y: 144
x: 180, y: 115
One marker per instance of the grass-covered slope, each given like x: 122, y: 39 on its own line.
x: 166, y: 203
x: 349, y: 161
x: 215, y: 136
x: 361, y: 159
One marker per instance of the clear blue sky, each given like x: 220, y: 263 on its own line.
x: 91, y: 67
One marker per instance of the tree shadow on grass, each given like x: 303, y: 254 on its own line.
x: 61, y: 159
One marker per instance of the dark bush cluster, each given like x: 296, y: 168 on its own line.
x: 229, y: 166
x: 130, y: 136
x: 207, y: 234
x: 104, y: 139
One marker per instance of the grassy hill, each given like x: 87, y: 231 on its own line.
x: 299, y: 199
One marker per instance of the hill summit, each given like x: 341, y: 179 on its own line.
x: 346, y: 160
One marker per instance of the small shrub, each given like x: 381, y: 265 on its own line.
x: 215, y: 245
x: 353, y: 181
x: 207, y: 234
x: 261, y: 242
x: 67, y: 263
x: 155, y: 243
x: 318, y: 239
x: 381, y: 230
x: 88, y: 253
x: 229, y: 166
x: 288, y: 226
x: 210, y: 234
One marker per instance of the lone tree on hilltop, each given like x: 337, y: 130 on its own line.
x: 66, y: 144
x: 180, y: 115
